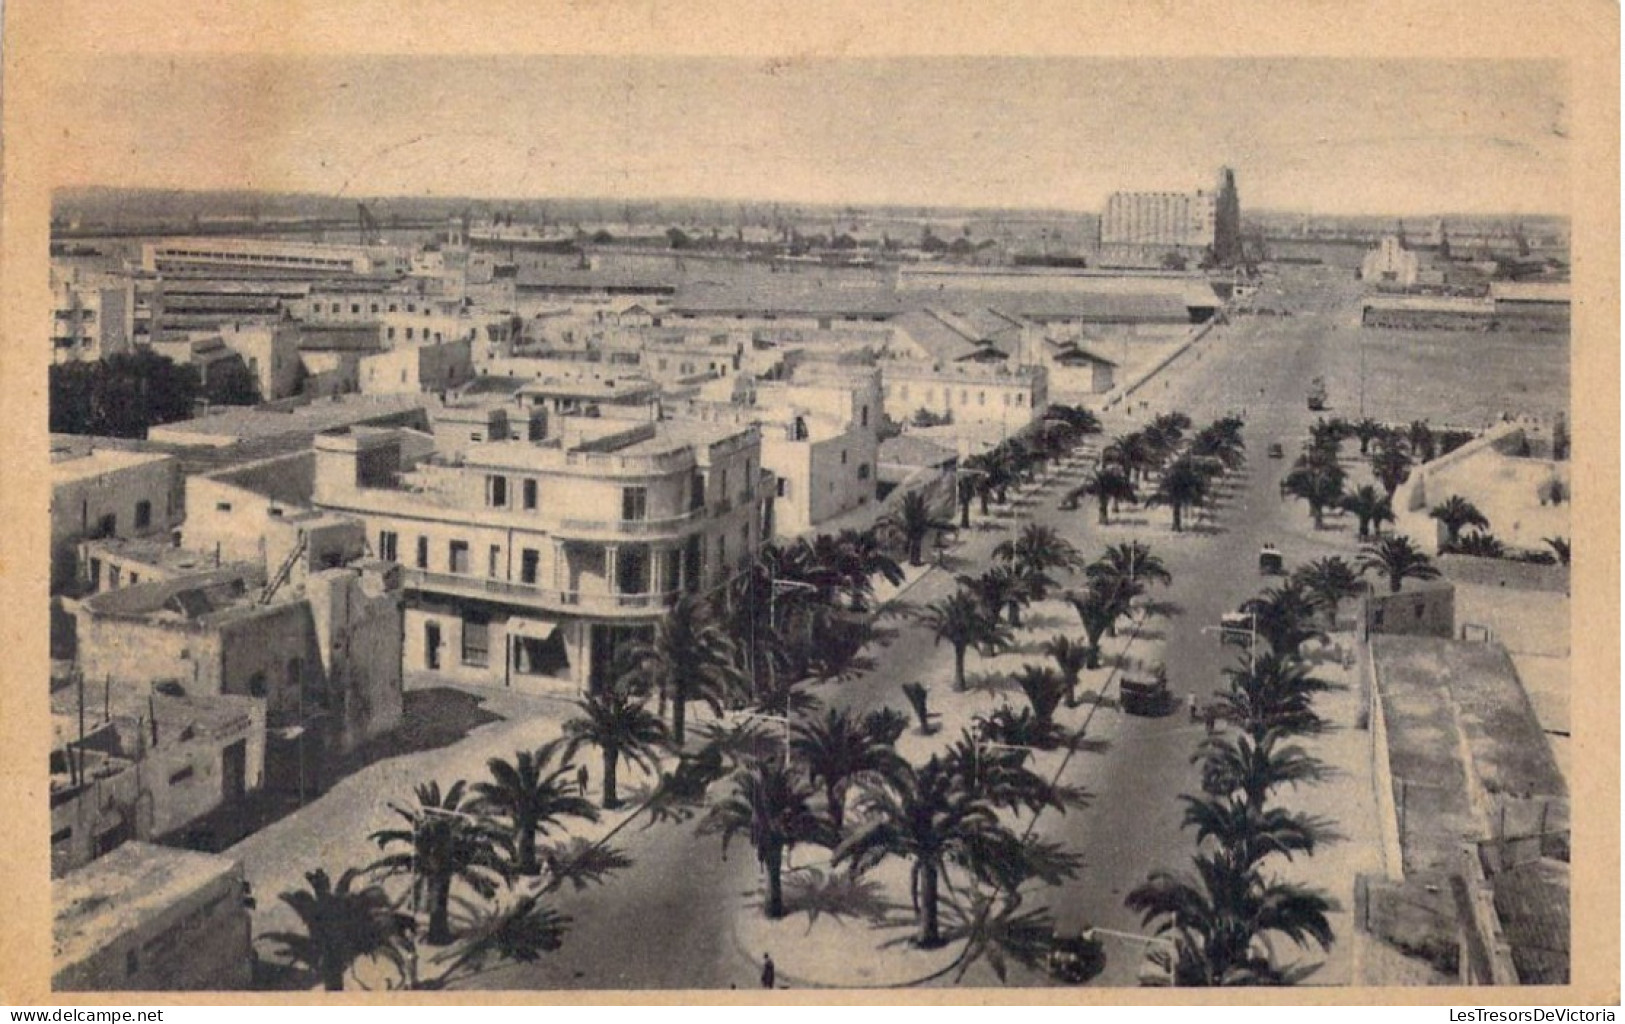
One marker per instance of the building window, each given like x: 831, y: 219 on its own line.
x: 409, y: 334
x: 863, y: 471
x: 143, y: 515
x: 981, y: 398
x: 634, y: 503
x: 256, y: 685
x: 387, y: 541
x: 528, y: 563
x: 529, y: 488
x: 495, y: 562
x: 355, y: 307
x: 722, y: 550
x: 865, y: 416
x: 496, y: 491
x: 784, y: 488
x: 423, y: 552
x: 391, y: 333
x: 459, y: 556
x: 222, y: 506
x: 476, y: 642
x: 843, y: 458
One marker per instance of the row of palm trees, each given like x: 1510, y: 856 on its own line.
x: 988, y: 476
x: 1186, y: 467
x: 1221, y: 914
x: 484, y: 838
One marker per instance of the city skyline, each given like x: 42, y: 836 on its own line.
x: 1476, y: 137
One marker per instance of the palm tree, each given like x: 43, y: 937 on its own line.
x: 1456, y: 512
x: 836, y: 751
x: 927, y: 817
x: 1108, y: 484
x: 965, y: 492
x: 1367, y: 430
x: 1183, y: 484
x: 1274, y: 693
x: 915, y: 519
x: 1070, y: 659
x: 1131, y: 453
x: 1391, y: 464
x: 444, y: 844
x: 1398, y: 559
x: 1254, y: 768
x: 342, y: 924
x: 1284, y: 616
x: 1326, y: 582
x: 1215, y: 442
x: 1370, y: 507
x: 531, y: 797
x: 999, y: 588
x: 1320, y: 485
x: 1421, y: 440
x: 772, y: 807
x: 961, y: 620
x: 1247, y: 834
x: 1132, y: 562
x: 1098, y: 607
x: 1044, y: 689
x: 690, y: 657
x: 1479, y: 545
x: 1037, y: 548
x: 620, y: 727
x: 1220, y: 918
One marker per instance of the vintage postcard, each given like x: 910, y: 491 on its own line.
x: 1073, y: 503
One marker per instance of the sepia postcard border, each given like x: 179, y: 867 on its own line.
x: 43, y: 39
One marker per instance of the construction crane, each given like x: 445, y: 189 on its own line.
x: 368, y: 225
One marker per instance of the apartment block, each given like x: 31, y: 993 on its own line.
x: 528, y: 561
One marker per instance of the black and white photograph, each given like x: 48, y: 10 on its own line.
x: 816, y: 520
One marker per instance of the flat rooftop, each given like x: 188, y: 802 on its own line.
x: 1460, y: 730
x: 116, y: 894
x: 242, y: 423
x: 589, y: 386
x: 74, y: 459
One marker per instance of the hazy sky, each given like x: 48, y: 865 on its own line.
x: 1323, y: 135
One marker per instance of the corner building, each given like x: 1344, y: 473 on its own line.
x: 530, y: 556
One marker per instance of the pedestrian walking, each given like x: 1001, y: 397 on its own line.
x: 1193, y: 707
x: 581, y: 780
x: 769, y: 973
x: 1207, y: 720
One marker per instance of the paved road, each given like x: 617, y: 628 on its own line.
x: 1134, y: 824
x: 664, y: 923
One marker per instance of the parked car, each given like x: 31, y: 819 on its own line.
x: 1275, y: 451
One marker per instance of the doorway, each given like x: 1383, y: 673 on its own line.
x: 431, y: 645
x: 234, y: 772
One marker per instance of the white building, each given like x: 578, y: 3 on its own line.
x: 92, y: 315
x: 103, y: 492
x: 1391, y: 263
x: 528, y: 562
